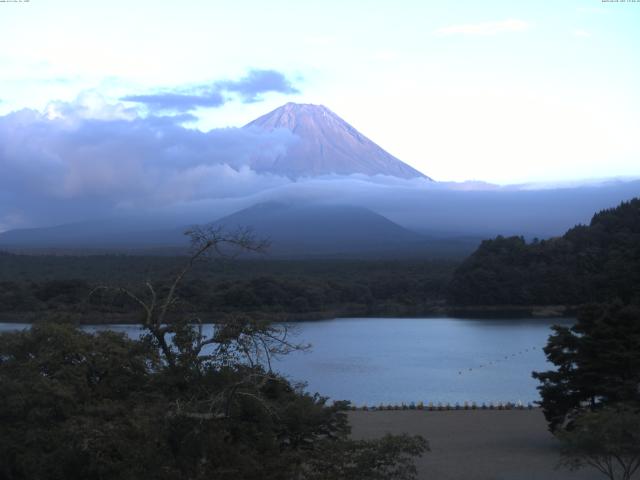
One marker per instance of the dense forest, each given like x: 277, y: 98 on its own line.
x: 589, y: 263
x: 280, y: 289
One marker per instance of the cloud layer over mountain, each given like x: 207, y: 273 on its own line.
x: 61, y: 165
x: 90, y: 160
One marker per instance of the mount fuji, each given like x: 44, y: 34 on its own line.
x: 325, y: 145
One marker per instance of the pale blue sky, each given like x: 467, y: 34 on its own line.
x: 500, y: 91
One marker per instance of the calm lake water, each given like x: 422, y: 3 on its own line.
x: 394, y: 360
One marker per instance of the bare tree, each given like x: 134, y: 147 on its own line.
x: 236, y: 342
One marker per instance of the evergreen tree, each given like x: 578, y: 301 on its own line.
x: 597, y: 363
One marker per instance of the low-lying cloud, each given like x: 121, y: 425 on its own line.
x: 178, y: 101
x: 249, y: 88
x: 87, y: 160
x: 59, y: 166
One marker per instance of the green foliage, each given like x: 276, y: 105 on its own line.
x: 592, y: 263
x: 72, y: 404
x: 607, y: 439
x: 77, y: 405
x: 175, y: 404
x: 597, y: 363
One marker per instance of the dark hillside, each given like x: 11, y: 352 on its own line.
x: 587, y: 264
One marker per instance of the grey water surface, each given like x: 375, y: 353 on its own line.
x: 395, y: 360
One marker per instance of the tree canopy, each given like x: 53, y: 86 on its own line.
x: 176, y: 403
x: 594, y: 263
x: 597, y: 363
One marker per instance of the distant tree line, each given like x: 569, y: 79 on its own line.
x: 594, y: 263
x: 62, y: 285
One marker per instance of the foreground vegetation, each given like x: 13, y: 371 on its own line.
x: 591, y: 400
x: 75, y: 406
x: 175, y: 404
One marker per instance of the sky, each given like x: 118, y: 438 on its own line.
x: 504, y: 92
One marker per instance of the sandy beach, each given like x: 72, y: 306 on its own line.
x: 475, y: 445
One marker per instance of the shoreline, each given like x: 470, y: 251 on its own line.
x: 506, y: 312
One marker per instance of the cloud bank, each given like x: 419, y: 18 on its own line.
x: 88, y: 160
x: 249, y: 88
x: 178, y: 101
x: 64, y: 164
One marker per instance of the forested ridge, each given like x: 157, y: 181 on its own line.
x: 589, y: 263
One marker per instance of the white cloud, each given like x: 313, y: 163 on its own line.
x: 484, y: 28
x: 89, y: 104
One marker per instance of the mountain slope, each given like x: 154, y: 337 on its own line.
x: 323, y: 229
x: 95, y: 234
x: 295, y: 231
x: 327, y: 145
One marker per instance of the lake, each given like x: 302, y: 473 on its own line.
x: 394, y: 360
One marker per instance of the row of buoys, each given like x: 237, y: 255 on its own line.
x: 440, y: 406
x: 495, y: 362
